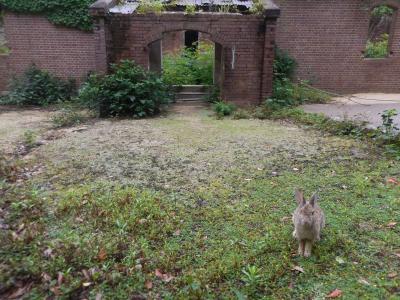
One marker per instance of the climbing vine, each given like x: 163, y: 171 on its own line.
x: 70, y: 13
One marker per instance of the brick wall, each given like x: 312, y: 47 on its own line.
x: 327, y: 38
x: 243, y: 38
x: 4, y: 74
x: 172, y: 42
x: 65, y: 52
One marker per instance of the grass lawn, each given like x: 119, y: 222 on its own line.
x: 189, y: 207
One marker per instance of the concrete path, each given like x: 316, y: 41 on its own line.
x: 366, y: 107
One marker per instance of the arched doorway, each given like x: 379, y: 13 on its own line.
x: 186, y: 47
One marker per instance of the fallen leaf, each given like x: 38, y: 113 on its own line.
x: 298, y: 269
x: 164, y: 277
x: 177, y: 233
x: 158, y: 273
x: 392, y: 275
x: 56, y: 290
x: 335, y: 294
x: 60, y: 278
x: 102, y: 254
x: 339, y: 260
x: 19, y: 292
x: 295, y: 169
x: 363, y: 281
x: 142, y: 221
x: 391, y: 225
x: 86, y: 284
x: 46, y: 277
x: 397, y: 254
x: 148, y: 285
x: 48, y: 253
x: 392, y: 180
x: 86, y: 274
x: 98, y: 296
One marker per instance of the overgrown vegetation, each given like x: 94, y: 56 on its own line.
x: 68, y: 114
x: 150, y: 6
x: 38, y: 87
x: 379, y: 30
x: 190, y: 66
x: 70, y: 13
x: 223, y: 109
x: 128, y: 91
x: 378, y: 48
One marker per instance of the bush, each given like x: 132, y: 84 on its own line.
x: 223, y: 109
x: 379, y: 48
x: 68, y: 115
x: 284, y: 65
x: 241, y: 114
x: 150, y: 6
x: 190, y: 66
x: 37, y: 87
x: 128, y: 91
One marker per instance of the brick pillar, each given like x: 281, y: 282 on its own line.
x: 101, y: 45
x: 268, y: 59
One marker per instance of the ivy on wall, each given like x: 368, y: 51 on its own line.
x: 70, y: 13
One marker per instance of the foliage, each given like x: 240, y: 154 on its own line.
x: 29, y: 139
x: 70, y: 13
x: 382, y: 10
x: 9, y: 168
x: 257, y: 7
x: 190, y: 66
x: 68, y: 115
x: 284, y: 65
x: 128, y: 91
x: 223, y: 109
x: 241, y: 114
x: 379, y: 48
x: 38, y: 87
x: 190, y: 9
x: 214, y: 94
x: 150, y: 6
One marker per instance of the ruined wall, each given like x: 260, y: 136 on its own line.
x: 246, y: 60
x: 65, y: 52
x: 327, y: 39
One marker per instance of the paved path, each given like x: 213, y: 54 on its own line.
x: 367, y: 107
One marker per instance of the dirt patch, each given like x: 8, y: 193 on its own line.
x: 15, y: 121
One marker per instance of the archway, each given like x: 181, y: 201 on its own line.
x: 186, y: 50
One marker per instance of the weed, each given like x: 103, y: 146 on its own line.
x: 68, y: 115
x: 29, y: 139
x: 190, y: 9
x: 223, y: 109
x: 241, y: 114
x: 150, y: 6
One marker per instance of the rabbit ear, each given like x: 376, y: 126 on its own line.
x: 299, y: 197
x: 314, y: 199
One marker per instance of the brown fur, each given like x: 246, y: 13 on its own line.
x: 308, y: 220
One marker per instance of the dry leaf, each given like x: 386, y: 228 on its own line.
x: 60, y: 278
x: 86, y: 284
x: 363, y: 281
x: 397, y: 254
x: 392, y: 275
x: 86, y: 274
x: 19, y: 292
x: 148, y: 285
x: 56, y: 290
x: 158, y: 273
x: 335, y: 294
x: 392, y: 180
x: 391, y: 224
x: 298, y: 269
x: 102, y: 254
x: 164, y: 277
x: 48, y: 253
x: 98, y: 296
x: 46, y: 277
x: 177, y: 233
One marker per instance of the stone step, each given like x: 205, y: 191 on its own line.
x: 191, y: 88
x: 189, y: 96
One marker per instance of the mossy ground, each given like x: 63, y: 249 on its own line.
x: 189, y: 207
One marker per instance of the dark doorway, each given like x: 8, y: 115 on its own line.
x: 191, y: 39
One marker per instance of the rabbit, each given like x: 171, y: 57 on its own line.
x: 308, y: 220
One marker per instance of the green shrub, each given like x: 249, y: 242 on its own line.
x: 214, y: 94
x: 189, y: 66
x: 241, y: 114
x: 37, y: 87
x: 284, y: 65
x: 382, y: 10
x: 150, y: 6
x: 190, y: 9
x: 70, y: 13
x: 379, y: 48
x: 128, y: 91
x: 223, y: 109
x: 68, y: 115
